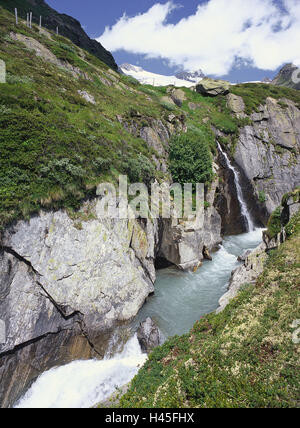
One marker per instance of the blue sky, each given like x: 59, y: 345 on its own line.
x: 151, y: 31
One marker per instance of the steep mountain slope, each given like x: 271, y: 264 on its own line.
x: 68, y: 26
x: 68, y: 122
x: 285, y: 77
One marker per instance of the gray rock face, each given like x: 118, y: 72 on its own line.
x: 285, y: 77
x: 236, y: 104
x: 268, y: 152
x: 183, y: 242
x: 52, y: 271
x: 243, y: 257
x: 245, y: 275
x: 149, y: 335
x: 68, y: 283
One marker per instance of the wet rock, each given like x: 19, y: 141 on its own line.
x: 243, y: 257
x: 148, y: 335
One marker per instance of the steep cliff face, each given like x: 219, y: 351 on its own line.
x: 267, y: 153
x: 66, y: 282
x: 69, y: 281
x: 68, y: 26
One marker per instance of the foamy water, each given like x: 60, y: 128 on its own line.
x: 83, y: 384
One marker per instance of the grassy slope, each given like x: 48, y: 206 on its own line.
x: 243, y: 357
x: 55, y: 147
x: 68, y: 26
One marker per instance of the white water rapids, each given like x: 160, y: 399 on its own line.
x: 83, y: 384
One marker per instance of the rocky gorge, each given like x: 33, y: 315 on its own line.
x: 69, y: 282
x: 66, y: 283
x: 69, y: 278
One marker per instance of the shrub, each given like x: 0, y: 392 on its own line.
x: 293, y: 226
x: 101, y: 165
x: 262, y: 197
x: 274, y: 223
x: 130, y: 80
x: 139, y: 169
x: 60, y: 171
x: 167, y: 105
x: 190, y: 158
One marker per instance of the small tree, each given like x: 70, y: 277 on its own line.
x: 190, y: 159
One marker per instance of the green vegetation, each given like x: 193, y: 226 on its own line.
x: 255, y: 94
x: 293, y: 226
x: 262, y: 197
x: 56, y: 147
x: 242, y: 357
x: 279, y: 218
x: 225, y: 123
x: 294, y: 195
x: 274, y: 223
x: 139, y: 170
x: 190, y: 158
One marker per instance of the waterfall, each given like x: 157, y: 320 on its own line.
x: 242, y: 202
x: 83, y: 384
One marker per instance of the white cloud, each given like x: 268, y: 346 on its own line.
x: 219, y: 32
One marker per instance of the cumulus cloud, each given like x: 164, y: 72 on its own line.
x: 220, y: 32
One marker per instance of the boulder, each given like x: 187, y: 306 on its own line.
x: 213, y: 88
x: 167, y: 100
x: 178, y: 96
x: 148, y: 335
x: 236, y: 104
x: 88, y: 97
x: 245, y: 275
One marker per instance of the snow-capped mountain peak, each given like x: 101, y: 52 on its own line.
x: 182, y: 79
x: 190, y: 76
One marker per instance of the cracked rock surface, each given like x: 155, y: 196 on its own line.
x: 268, y: 152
